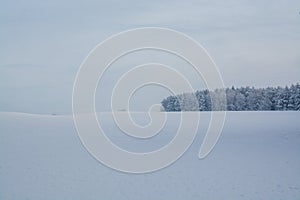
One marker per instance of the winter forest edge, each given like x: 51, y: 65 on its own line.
x: 237, y: 99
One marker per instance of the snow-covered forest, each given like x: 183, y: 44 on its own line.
x: 238, y: 99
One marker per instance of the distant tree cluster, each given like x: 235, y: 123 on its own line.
x: 237, y: 99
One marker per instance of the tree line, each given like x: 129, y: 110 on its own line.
x: 237, y: 99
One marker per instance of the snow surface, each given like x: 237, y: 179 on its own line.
x: 257, y: 157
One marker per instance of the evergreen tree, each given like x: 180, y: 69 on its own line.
x: 237, y: 99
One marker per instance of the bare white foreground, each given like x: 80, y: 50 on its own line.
x: 257, y: 157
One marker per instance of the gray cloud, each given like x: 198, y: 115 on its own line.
x: 43, y: 43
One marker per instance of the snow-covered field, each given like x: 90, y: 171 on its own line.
x: 257, y: 157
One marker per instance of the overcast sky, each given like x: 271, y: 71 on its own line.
x: 255, y: 43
